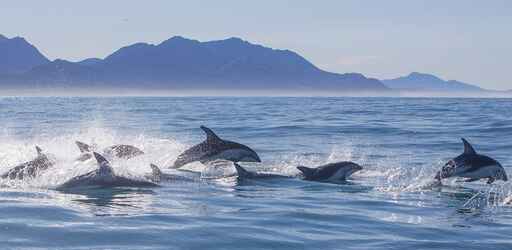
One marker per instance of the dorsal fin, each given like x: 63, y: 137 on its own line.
x: 104, y: 165
x: 84, y: 148
x: 39, y: 150
x: 211, y: 137
x: 241, y: 171
x: 468, y: 149
x: 156, y: 173
x: 307, y: 172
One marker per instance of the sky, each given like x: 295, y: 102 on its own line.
x: 466, y: 40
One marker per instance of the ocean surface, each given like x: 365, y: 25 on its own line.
x: 400, y: 142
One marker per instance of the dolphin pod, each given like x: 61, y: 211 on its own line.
x: 469, y: 165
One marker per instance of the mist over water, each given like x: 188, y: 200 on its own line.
x: 400, y: 142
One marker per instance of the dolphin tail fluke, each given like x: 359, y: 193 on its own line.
x: 468, y: 149
x: 39, y: 150
x: 210, y: 135
x: 242, y: 172
x: 84, y: 148
x: 306, y: 171
x: 156, y: 173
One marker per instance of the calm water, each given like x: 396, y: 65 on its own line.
x: 400, y: 142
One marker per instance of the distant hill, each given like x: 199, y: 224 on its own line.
x: 89, y: 61
x: 180, y: 63
x: 426, y: 82
x: 17, y: 55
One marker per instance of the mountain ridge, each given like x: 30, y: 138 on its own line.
x: 182, y: 63
x: 416, y: 81
x: 18, y: 55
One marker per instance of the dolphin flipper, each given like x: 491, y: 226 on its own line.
x: 211, y: 137
x: 468, y: 149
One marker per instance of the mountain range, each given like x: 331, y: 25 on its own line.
x: 426, y: 82
x: 179, y: 63
x: 17, y: 55
x: 185, y: 64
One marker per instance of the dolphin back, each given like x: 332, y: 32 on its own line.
x: 242, y: 172
x: 307, y: 172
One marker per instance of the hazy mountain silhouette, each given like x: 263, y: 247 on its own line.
x: 89, y: 61
x: 427, y: 82
x: 180, y: 63
x: 60, y: 72
x: 17, y: 55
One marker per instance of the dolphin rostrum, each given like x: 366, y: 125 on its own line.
x: 332, y: 172
x: 215, y: 148
x: 472, y: 166
x: 104, y: 176
x: 31, y: 168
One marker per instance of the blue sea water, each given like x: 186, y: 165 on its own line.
x: 401, y: 142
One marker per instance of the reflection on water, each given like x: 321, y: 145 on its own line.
x: 113, y: 201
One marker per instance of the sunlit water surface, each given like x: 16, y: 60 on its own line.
x: 400, y: 142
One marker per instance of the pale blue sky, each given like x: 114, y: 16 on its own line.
x: 457, y: 39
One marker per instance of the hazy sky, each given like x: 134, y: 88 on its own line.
x: 458, y: 39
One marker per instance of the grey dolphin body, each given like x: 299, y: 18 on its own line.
x: 31, y: 168
x: 333, y: 172
x: 215, y: 148
x: 157, y: 176
x: 104, y: 176
x: 245, y: 174
x: 120, y: 151
x: 472, y: 166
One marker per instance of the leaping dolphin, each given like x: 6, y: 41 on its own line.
x: 215, y: 148
x: 104, y: 176
x: 332, y: 172
x: 472, y: 166
x: 120, y: 151
x: 31, y: 168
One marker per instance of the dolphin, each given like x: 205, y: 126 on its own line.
x: 157, y: 176
x: 245, y: 174
x: 31, y: 168
x: 472, y: 166
x: 123, y: 151
x: 332, y: 172
x: 120, y: 151
x: 215, y: 148
x: 104, y: 176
